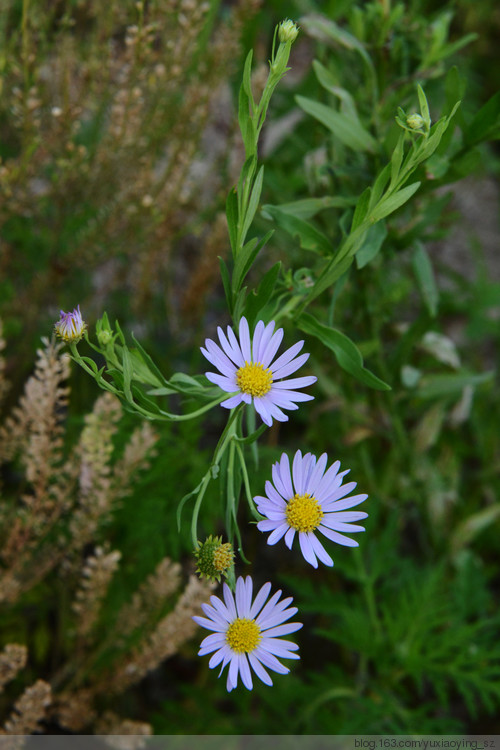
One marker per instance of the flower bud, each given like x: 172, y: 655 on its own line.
x: 287, y: 31
x: 214, y: 558
x: 415, y: 121
x: 71, y: 326
x: 104, y: 337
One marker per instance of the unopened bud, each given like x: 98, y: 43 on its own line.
x: 415, y: 121
x: 288, y: 31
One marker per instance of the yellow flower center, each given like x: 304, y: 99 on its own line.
x: 304, y: 513
x: 243, y: 635
x: 223, y: 557
x: 254, y: 379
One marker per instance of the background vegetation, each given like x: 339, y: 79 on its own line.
x: 119, y: 142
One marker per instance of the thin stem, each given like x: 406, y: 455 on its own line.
x: 246, y: 482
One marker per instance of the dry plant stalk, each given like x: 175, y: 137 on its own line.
x: 112, y: 161
x: 96, y: 577
x: 150, y: 597
x: 12, y: 659
x: 169, y: 635
x: 124, y: 734
x: 29, y: 709
x: 88, y: 483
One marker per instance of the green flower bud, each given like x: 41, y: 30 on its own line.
x: 415, y: 121
x: 214, y: 558
x: 104, y: 337
x: 287, y: 31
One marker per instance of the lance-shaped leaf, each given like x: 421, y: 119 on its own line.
x: 347, y: 353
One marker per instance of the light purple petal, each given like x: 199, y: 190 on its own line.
x: 212, y: 642
x: 330, y: 520
x: 291, y: 367
x: 230, y: 403
x: 227, y: 384
x: 266, y: 338
x: 234, y: 668
x: 287, y: 357
x: 221, y: 655
x: 289, y: 536
x: 272, y: 347
x: 259, y: 670
x: 219, y: 358
x: 290, y: 627
x: 286, y: 477
x: 265, y: 408
x: 259, y: 600
x: 270, y: 661
x: 334, y: 536
x: 277, y: 534
x: 245, y: 340
x: 293, y: 383
x: 229, y: 601
x: 246, y: 675
x: 274, y: 493
x: 348, y: 516
x: 317, y: 474
x: 297, y: 473
x: 280, y: 485
x: 263, y: 411
x: 232, y: 349
x: 257, y: 336
x: 320, y: 551
x: 235, y: 347
x: 307, y: 548
x: 279, y: 647
x: 209, y: 624
x: 268, y: 610
x: 348, y: 502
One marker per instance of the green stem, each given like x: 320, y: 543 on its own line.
x: 246, y: 483
x: 369, y: 594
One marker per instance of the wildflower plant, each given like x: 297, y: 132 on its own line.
x: 306, y: 498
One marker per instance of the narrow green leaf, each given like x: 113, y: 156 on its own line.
x: 307, y: 207
x: 309, y: 237
x: 321, y: 27
x: 371, y: 246
x: 379, y: 185
x: 127, y: 374
x: 361, y: 209
x: 153, y: 369
x: 425, y: 278
x: 246, y: 258
x: 486, y: 123
x: 329, y: 275
x: 389, y: 205
x: 424, y: 106
x: 347, y: 129
x: 256, y: 300
x: 396, y: 160
x: 247, y: 76
x: 347, y: 354
x: 226, y: 281
x: 253, y: 203
x: 232, y: 219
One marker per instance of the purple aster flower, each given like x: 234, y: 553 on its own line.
x: 246, y: 634
x: 71, y: 326
x: 307, y: 499
x: 247, y: 367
